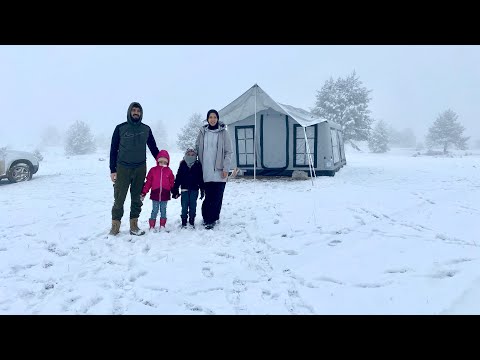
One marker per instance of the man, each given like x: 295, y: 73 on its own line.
x: 128, y: 166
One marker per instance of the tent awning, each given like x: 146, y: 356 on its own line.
x: 244, y: 106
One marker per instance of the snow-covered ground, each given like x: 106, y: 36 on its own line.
x: 389, y: 234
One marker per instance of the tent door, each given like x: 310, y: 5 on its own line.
x: 274, y: 141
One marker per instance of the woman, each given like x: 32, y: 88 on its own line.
x: 214, y: 149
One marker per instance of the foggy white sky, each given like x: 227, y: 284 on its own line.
x: 56, y: 85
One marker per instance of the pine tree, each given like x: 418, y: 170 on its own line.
x: 405, y: 138
x: 345, y: 102
x: 446, y: 131
x: 379, y: 138
x: 79, y: 139
x: 189, y: 132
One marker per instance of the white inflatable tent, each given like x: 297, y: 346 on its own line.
x: 286, y: 138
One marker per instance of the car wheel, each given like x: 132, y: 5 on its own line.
x: 19, y: 172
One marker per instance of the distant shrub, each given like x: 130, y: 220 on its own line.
x: 38, y: 155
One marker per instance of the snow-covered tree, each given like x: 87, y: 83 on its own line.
x: 393, y: 136
x: 405, y: 138
x: 189, y: 132
x: 378, y: 141
x: 79, y: 139
x: 446, y: 131
x: 345, y: 102
x: 102, y: 141
x: 160, y: 134
x: 50, y: 136
x: 409, y: 139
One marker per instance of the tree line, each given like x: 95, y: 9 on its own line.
x: 344, y: 101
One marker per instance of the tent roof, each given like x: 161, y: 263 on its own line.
x: 244, y: 106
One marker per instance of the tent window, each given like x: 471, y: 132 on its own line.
x: 244, y: 137
x: 301, y: 153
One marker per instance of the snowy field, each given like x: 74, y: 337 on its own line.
x: 389, y: 234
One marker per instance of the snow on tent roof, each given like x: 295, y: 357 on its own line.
x: 244, y: 106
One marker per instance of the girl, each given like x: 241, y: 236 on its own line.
x: 160, y: 180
